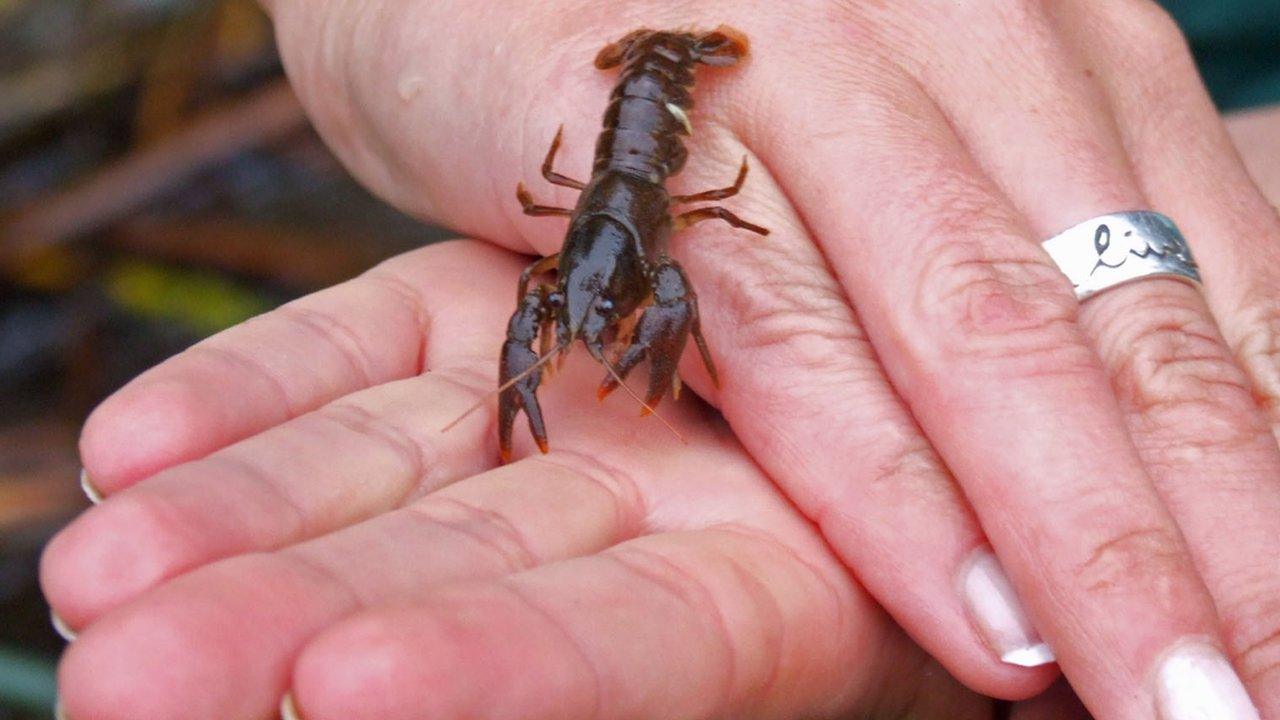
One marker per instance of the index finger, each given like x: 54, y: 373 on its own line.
x: 363, y: 333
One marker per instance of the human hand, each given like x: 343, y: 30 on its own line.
x: 900, y: 355
x: 384, y: 570
x: 1256, y: 135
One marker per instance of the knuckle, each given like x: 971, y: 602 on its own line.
x: 389, y: 277
x: 417, y: 457
x: 794, y: 318
x: 472, y: 376
x: 999, y: 300
x: 233, y: 361
x: 766, y: 630
x: 1142, y: 557
x: 1258, y: 347
x: 742, y: 619
x: 912, y: 474
x: 335, y: 334
x: 488, y: 528
x: 655, y: 568
x: 693, y: 592
x: 1251, y: 628
x: 1155, y: 38
x: 809, y: 340
x: 907, y: 465
x: 910, y: 477
x: 620, y: 486
x: 1171, y: 367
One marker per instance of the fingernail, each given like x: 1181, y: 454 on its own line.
x: 288, y: 709
x: 1197, y: 682
x: 58, y: 712
x: 61, y: 627
x: 998, y: 614
x: 95, y: 496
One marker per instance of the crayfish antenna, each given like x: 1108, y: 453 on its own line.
x: 515, y: 379
x: 647, y: 408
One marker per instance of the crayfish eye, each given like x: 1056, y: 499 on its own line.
x: 555, y: 299
x: 604, y: 306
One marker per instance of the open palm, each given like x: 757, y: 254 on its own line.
x: 336, y: 542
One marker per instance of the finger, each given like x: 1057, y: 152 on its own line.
x: 714, y: 623
x: 362, y: 333
x: 803, y: 388
x: 792, y: 353
x: 298, y: 480
x: 1045, y: 134
x: 1190, y: 408
x: 345, y: 462
x: 223, y: 636
x: 978, y: 331
x: 1255, y: 134
x: 1231, y: 515
x: 617, y: 489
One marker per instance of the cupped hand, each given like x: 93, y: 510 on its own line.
x: 384, y: 570
x: 900, y: 355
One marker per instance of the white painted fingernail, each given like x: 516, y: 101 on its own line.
x: 95, y: 496
x: 288, y: 709
x: 61, y: 627
x: 1197, y: 682
x: 999, y: 615
x: 58, y: 712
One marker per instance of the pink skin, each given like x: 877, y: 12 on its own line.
x: 623, y: 575
x: 1257, y: 134
x: 1120, y: 457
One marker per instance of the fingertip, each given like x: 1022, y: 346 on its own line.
x: 108, y: 555
x: 468, y: 651
x: 289, y: 708
x: 142, y: 429
x: 1030, y: 657
x: 61, y: 627
x: 90, y: 489
x: 137, y: 669
x: 363, y: 668
x: 1015, y: 683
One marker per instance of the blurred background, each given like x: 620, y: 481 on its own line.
x: 158, y: 182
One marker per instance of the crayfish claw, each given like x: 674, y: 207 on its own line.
x: 661, y: 335
x: 518, y: 368
x: 634, y: 354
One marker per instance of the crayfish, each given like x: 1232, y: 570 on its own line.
x: 614, y: 261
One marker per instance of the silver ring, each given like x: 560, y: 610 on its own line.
x: 1114, y: 249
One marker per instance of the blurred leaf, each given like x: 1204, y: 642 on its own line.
x: 26, y: 681
x: 205, y: 302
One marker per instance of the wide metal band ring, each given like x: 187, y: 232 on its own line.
x: 1114, y: 249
